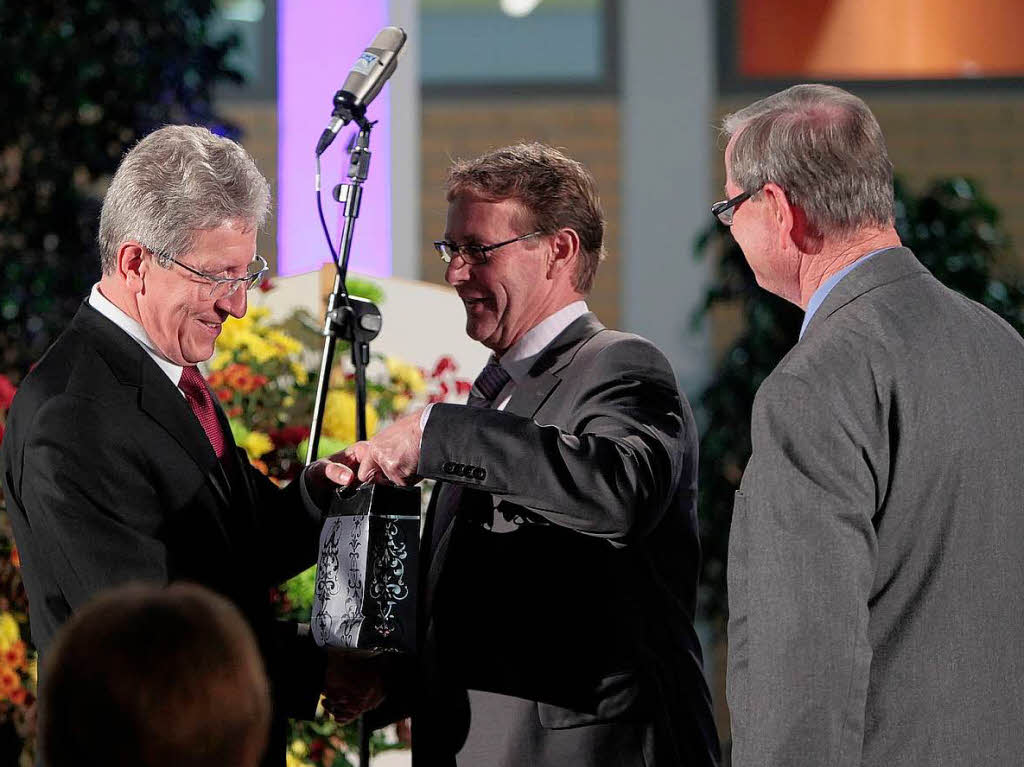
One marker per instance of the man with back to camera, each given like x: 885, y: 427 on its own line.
x: 561, y: 550
x: 153, y: 676
x: 119, y: 464
x: 875, y: 580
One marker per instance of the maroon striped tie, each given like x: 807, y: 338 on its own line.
x: 198, y: 395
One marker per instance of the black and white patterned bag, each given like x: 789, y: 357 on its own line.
x: 365, y: 593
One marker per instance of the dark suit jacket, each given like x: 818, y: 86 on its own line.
x: 583, y: 616
x: 110, y: 478
x: 876, y: 584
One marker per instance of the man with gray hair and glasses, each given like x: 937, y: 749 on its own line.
x: 119, y: 464
x: 876, y: 590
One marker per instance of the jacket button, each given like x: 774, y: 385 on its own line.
x: 448, y: 467
x: 479, y: 473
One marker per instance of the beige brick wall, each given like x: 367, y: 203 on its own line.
x: 929, y: 135
x: 587, y: 129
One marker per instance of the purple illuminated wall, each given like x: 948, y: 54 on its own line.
x: 318, y: 41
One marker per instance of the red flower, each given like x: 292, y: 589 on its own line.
x: 216, y: 378
x: 462, y: 386
x: 234, y: 412
x: 15, y: 557
x: 266, y: 285
x: 225, y: 395
x: 289, y: 435
x: 9, y: 682
x: 443, y: 365
x: 7, y: 390
x: 15, y: 655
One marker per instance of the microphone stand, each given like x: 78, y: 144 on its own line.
x: 351, y: 318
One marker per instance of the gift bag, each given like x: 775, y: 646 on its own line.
x: 365, y: 594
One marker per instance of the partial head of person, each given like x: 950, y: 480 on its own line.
x: 807, y: 176
x: 145, y: 676
x: 524, y: 237
x: 177, y: 237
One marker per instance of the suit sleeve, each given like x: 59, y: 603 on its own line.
x: 609, y: 471
x: 802, y: 552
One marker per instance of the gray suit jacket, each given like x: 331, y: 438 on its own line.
x: 577, y: 627
x: 876, y: 558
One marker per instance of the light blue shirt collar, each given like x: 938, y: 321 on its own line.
x: 819, y: 296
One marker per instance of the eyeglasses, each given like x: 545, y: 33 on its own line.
x: 222, y: 287
x: 473, y: 254
x: 726, y: 209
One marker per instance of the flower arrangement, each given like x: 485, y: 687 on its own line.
x: 18, y: 672
x: 264, y: 375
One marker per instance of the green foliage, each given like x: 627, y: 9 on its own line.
x: 953, y: 230
x: 84, y: 80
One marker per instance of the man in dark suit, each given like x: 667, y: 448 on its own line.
x: 118, y: 465
x: 561, y: 550
x: 876, y: 592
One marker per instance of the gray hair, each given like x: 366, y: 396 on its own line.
x: 824, y: 147
x: 176, y: 182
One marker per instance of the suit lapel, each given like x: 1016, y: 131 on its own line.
x: 158, y: 398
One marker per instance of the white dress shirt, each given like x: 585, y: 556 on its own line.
x: 102, y: 304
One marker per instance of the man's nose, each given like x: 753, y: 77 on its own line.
x: 234, y: 304
x: 457, y: 271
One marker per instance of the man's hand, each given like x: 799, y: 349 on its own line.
x: 392, y: 455
x: 322, y: 477
x: 355, y: 681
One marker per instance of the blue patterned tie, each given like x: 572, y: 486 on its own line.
x: 488, y: 384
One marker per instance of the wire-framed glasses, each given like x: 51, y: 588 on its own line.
x: 222, y: 287
x: 473, y: 254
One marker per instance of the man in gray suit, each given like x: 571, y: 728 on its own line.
x: 876, y: 583
x: 561, y: 551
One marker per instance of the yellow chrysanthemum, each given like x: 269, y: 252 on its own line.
x: 400, y: 403
x: 408, y: 376
x: 256, y: 444
x: 261, y: 350
x: 9, y: 631
x: 340, y: 416
x: 293, y: 761
x: 220, y: 360
x: 300, y: 373
x: 284, y: 342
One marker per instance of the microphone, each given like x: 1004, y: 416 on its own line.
x: 367, y: 76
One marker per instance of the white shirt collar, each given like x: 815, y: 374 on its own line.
x: 520, y: 356
x: 115, y: 314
